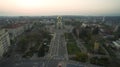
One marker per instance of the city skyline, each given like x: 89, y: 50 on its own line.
x: 59, y: 7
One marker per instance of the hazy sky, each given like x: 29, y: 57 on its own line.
x: 59, y: 7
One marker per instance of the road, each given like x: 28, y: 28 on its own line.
x: 58, y: 49
x: 59, y: 46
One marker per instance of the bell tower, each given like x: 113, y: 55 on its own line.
x: 59, y: 24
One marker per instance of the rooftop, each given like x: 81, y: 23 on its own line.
x: 12, y: 26
x: 2, y: 31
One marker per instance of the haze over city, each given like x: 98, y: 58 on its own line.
x: 59, y: 7
x: 59, y: 33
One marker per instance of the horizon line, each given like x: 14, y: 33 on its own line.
x: 52, y: 15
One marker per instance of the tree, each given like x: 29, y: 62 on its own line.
x: 95, y: 31
x: 82, y: 57
x: 41, y: 51
x: 23, y: 43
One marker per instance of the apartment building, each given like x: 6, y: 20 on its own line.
x: 17, y: 29
x: 4, y: 42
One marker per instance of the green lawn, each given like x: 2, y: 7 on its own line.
x: 71, y: 44
x: 99, y: 61
x: 72, y: 48
x: 90, y: 48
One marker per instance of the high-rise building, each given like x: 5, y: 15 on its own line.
x: 4, y: 42
x: 103, y: 19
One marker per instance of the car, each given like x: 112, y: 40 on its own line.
x: 59, y: 65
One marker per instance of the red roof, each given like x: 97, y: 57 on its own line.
x: 12, y: 26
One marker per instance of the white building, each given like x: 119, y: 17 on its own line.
x: 83, y: 25
x: 17, y: 29
x: 4, y: 42
x: 116, y: 44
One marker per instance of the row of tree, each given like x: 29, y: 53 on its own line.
x: 34, y: 42
x: 88, y: 34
